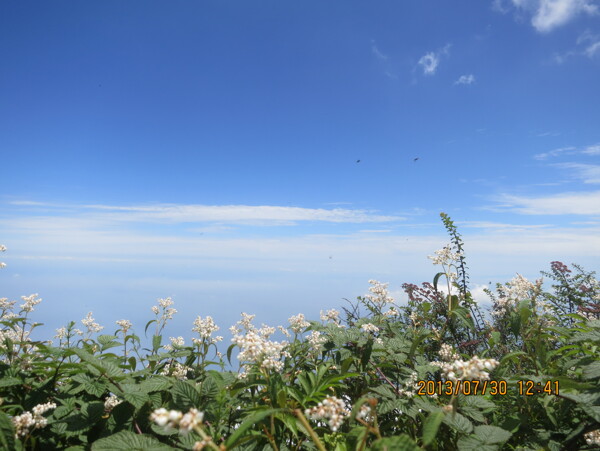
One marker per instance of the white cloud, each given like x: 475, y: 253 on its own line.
x: 577, y: 203
x: 375, y: 50
x: 240, y: 214
x: 555, y: 153
x: 430, y: 61
x: 465, y: 80
x: 588, y: 173
x: 548, y: 15
x: 592, y: 150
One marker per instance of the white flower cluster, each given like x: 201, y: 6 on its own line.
x: 447, y: 353
x: 165, y: 304
x: 256, y: 348
x: 445, y: 256
x: 206, y: 327
x: 202, y: 444
x: 518, y: 289
x: 6, y: 305
x: 411, y: 386
x: 316, y: 340
x: 364, y: 413
x: 111, y: 402
x: 177, y: 420
x: 32, y: 420
x: 474, y: 369
x: 379, y: 294
x: 298, y: 323
x: 30, y: 302
x: 392, y: 312
x: 63, y: 332
x: 176, y: 370
x: 370, y: 328
x: 125, y: 325
x: 331, y: 409
x: 92, y: 326
x: 2, y: 249
x: 331, y: 315
x: 176, y: 342
x: 593, y: 437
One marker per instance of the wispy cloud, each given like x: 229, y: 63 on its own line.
x: 465, y: 80
x: 588, y: 173
x: 555, y: 153
x: 594, y: 149
x: 431, y: 60
x: 588, y: 45
x: 547, y: 15
x: 224, y: 214
x: 378, y: 53
x: 573, y: 203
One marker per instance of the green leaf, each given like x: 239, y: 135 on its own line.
x: 127, y: 440
x: 459, y: 423
x: 436, y: 279
x: 185, y: 395
x: 148, y: 325
x: 431, y: 426
x: 7, y: 432
x: 474, y: 444
x: 250, y: 421
x: 10, y: 381
x: 591, y: 371
x: 398, y: 443
x: 492, y: 434
x: 156, y: 341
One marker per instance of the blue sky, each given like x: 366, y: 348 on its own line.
x: 260, y: 156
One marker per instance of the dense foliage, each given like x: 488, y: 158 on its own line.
x: 374, y: 376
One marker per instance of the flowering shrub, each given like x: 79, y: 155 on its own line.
x: 434, y: 374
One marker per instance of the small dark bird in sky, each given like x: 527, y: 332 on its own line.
x: 358, y: 161
x: 330, y: 257
x: 416, y: 159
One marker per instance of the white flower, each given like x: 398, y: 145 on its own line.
x: 111, y: 402
x: 92, y: 326
x: 474, y: 369
x: 176, y: 370
x: 176, y: 342
x: 330, y: 315
x: 331, y: 409
x: 30, y: 302
x: 124, y: 324
x: 205, y: 327
x: 445, y: 257
x: 316, y: 340
x: 593, y: 437
x: 298, y: 323
x: 175, y: 419
x: 379, y: 294
x: 190, y: 420
x: 372, y: 328
x: 34, y: 419
x: 61, y: 333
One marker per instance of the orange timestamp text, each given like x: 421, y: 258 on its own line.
x: 494, y: 388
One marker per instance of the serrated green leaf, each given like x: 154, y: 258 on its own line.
x: 126, y: 440
x: 474, y: 444
x: 7, y: 432
x: 459, y: 423
x: 185, y: 395
x: 591, y: 371
x: 431, y: 426
x: 398, y: 443
x: 10, y: 381
x: 492, y: 434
